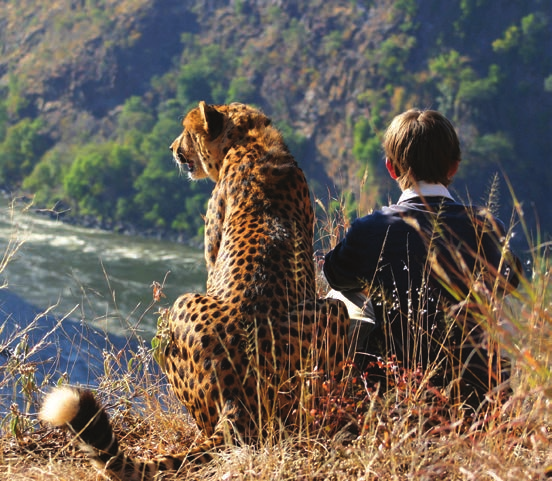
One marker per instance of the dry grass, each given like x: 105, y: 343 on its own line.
x: 411, y: 432
x: 511, y: 443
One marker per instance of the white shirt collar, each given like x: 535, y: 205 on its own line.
x: 424, y: 189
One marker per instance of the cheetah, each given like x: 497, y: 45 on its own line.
x: 236, y: 354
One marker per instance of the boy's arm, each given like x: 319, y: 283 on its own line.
x: 339, y: 272
x: 348, y: 266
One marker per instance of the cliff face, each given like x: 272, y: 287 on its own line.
x: 336, y: 72
x: 71, y: 59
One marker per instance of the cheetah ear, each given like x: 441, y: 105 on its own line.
x: 213, y: 120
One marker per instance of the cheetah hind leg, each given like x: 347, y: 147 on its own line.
x: 324, y: 325
x: 317, y: 346
x: 224, y: 367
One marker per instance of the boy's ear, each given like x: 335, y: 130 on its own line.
x: 390, y: 169
x: 453, y: 169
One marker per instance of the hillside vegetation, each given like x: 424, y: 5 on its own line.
x: 93, y: 92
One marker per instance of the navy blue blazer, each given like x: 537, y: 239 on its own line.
x: 419, y: 255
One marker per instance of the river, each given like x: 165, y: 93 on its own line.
x: 100, y: 277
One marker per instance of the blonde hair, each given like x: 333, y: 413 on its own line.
x: 421, y: 145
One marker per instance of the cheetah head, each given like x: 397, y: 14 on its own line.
x: 209, y: 133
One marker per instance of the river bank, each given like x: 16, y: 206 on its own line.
x: 107, y: 274
x: 63, y: 213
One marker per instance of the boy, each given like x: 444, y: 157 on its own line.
x: 419, y: 259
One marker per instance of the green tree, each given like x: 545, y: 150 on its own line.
x: 44, y: 180
x: 461, y: 88
x: 509, y: 41
x: 199, y: 77
x: 241, y: 90
x: 3, y: 116
x: 533, y: 26
x: 447, y: 69
x: 527, y: 38
x: 548, y: 84
x: 15, y: 101
x: 393, y: 54
x: 162, y: 191
x: 366, y: 145
x: 135, y: 116
x: 22, y: 146
x: 99, y: 177
x: 190, y: 219
x: 473, y: 89
x: 296, y: 142
x: 495, y: 148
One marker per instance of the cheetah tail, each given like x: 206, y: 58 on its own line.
x: 81, y: 412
